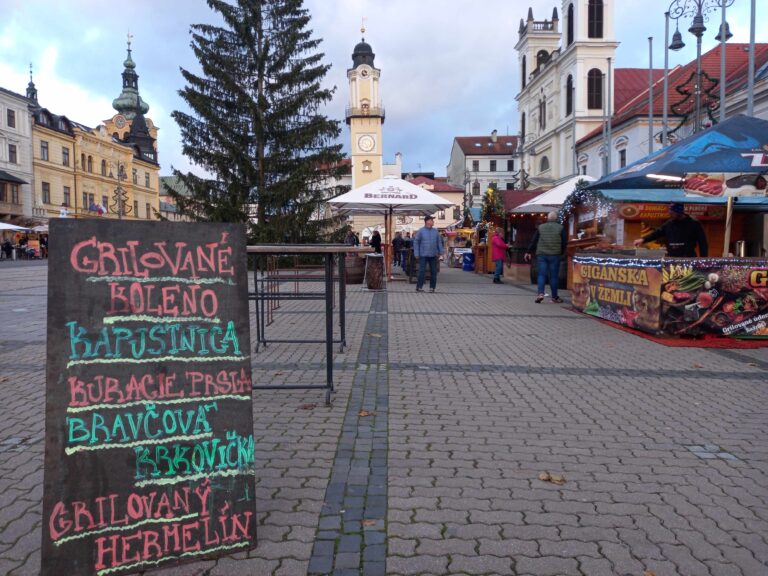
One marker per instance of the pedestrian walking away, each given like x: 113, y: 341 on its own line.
x: 549, y: 246
x: 427, y: 247
x: 397, y: 248
x: 682, y: 234
x: 498, y: 253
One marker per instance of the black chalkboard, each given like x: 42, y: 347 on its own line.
x: 149, y: 455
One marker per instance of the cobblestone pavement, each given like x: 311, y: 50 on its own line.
x: 448, y: 408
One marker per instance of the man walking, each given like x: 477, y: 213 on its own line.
x: 427, y: 247
x: 549, y: 246
x: 397, y: 248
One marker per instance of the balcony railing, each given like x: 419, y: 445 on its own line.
x: 361, y: 112
x: 11, y: 208
x: 538, y: 26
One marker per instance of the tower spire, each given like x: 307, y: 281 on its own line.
x: 129, y: 100
x: 31, y: 89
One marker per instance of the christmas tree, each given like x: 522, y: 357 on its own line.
x: 270, y: 158
x: 493, y: 205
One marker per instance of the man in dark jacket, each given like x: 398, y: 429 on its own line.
x: 682, y: 234
x: 397, y: 248
x: 549, y: 246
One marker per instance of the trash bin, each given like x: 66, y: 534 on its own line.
x: 468, y: 262
x: 374, y: 271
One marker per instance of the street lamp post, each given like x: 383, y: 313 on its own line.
x: 698, y: 9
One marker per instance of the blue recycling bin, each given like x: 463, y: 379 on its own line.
x: 468, y: 262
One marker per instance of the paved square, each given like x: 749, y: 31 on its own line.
x: 449, y: 407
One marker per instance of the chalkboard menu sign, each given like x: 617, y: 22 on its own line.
x: 149, y: 456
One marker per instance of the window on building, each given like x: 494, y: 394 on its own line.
x: 43, y: 150
x: 493, y: 165
x: 14, y: 193
x: 510, y: 165
x: 64, y: 156
x: 85, y: 204
x: 90, y: 163
x: 584, y: 169
x: 475, y: 165
x: 522, y: 126
x: 11, y: 118
x: 569, y: 96
x: 12, y: 156
x: 595, y: 19
x: 569, y: 24
x: 523, y: 71
x: 136, y: 208
x: 135, y: 174
x: 146, y: 179
x: 105, y: 204
x: 510, y: 185
x: 82, y: 161
x: 543, y: 114
x: 622, y: 158
x: 542, y: 57
x: 544, y: 164
x: 440, y: 214
x: 67, y: 196
x: 3, y: 192
x: 149, y: 211
x: 103, y: 167
x: 476, y: 188
x: 594, y: 89
x: 367, y: 166
x: 46, y: 193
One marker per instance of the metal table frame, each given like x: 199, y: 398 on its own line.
x: 263, y: 295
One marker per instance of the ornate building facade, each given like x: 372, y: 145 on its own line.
x: 566, y: 79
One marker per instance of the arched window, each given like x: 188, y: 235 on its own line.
x: 90, y: 163
x: 522, y: 125
x: 542, y: 57
x: 544, y: 164
x: 595, y: 19
x: 103, y: 167
x: 569, y: 96
x: 594, y: 89
x: 524, y: 73
x: 82, y: 161
x: 570, y: 25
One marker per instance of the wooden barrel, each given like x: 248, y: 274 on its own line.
x: 374, y: 271
x: 355, y: 269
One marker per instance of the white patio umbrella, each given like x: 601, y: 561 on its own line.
x: 552, y: 198
x: 6, y: 226
x: 389, y: 195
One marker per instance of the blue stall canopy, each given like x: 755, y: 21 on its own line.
x: 739, y: 145
x: 670, y: 195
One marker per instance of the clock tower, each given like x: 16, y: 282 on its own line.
x: 365, y: 115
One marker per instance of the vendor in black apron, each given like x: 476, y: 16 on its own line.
x: 682, y: 234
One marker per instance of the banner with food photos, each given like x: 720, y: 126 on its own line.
x: 724, y: 184
x: 724, y: 296
x: 620, y: 289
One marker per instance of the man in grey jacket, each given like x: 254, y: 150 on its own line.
x: 427, y: 247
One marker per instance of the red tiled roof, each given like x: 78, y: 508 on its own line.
x: 484, y: 145
x: 435, y: 185
x: 629, y: 83
x: 514, y: 198
x: 737, y: 64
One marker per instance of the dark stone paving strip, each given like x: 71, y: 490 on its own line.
x: 740, y: 357
x: 487, y: 315
x: 574, y: 371
x: 351, y: 536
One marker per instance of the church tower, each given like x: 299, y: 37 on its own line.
x: 566, y: 76
x: 365, y: 116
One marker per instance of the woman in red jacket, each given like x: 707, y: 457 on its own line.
x: 498, y: 253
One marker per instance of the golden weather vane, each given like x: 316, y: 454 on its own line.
x: 362, y: 27
x: 130, y: 37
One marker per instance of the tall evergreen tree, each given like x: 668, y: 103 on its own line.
x: 255, y: 125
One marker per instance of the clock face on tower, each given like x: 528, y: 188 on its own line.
x: 366, y: 142
x: 364, y: 73
x: 120, y: 121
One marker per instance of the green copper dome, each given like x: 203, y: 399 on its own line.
x: 126, y: 103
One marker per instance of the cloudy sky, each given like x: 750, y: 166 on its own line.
x: 448, y: 67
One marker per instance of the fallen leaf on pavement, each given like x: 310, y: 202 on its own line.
x: 307, y: 406
x: 3, y: 378
x: 697, y: 366
x: 558, y: 479
x: 649, y: 573
x: 366, y: 413
x: 369, y: 522
x: 374, y: 335
x: 748, y: 364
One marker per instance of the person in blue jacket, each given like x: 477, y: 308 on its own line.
x: 427, y: 247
